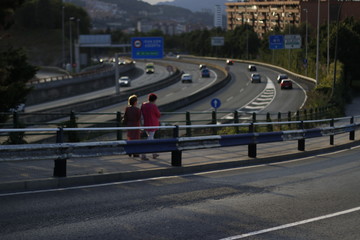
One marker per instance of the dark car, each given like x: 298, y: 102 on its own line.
x: 229, y: 62
x: 205, y: 73
x: 281, y: 77
x: 255, y: 78
x: 252, y: 68
x: 286, y: 84
x: 202, y: 66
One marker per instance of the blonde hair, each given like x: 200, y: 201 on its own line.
x: 132, y: 100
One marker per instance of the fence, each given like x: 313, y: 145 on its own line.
x: 61, y: 151
x: 75, y: 119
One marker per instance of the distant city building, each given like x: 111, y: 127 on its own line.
x: 266, y: 16
x: 218, y: 17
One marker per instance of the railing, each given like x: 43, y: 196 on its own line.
x: 61, y: 150
x: 73, y: 119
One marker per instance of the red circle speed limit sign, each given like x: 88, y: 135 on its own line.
x: 137, y: 43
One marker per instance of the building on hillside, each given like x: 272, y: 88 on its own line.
x: 266, y: 16
x: 218, y: 17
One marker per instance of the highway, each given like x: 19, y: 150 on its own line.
x: 304, y: 199
x: 239, y: 94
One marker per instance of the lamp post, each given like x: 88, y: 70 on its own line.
x: 317, y: 43
x: 336, y: 48
x: 70, y: 33
x: 63, y: 36
x: 328, y: 38
x: 306, y: 41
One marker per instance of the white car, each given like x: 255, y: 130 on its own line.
x: 125, y: 81
x: 186, y: 77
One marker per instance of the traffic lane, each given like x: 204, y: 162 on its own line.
x: 169, y: 94
x: 211, y: 205
x: 285, y: 100
x: 140, y: 80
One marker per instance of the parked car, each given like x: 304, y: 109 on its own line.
x: 281, y: 77
x: 286, y: 84
x: 252, y: 68
x: 186, y: 78
x: 202, y: 66
x: 205, y: 73
x: 124, y: 81
x: 229, y: 62
x: 255, y: 78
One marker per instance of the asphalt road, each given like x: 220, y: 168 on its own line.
x: 312, y: 198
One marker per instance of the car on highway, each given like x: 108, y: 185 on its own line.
x: 202, y: 66
x: 124, y: 81
x: 252, y: 68
x: 186, y: 78
x: 149, y: 68
x: 286, y: 84
x: 281, y: 77
x: 205, y: 73
x: 229, y: 62
x: 255, y: 78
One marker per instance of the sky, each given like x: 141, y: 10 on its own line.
x: 156, y: 1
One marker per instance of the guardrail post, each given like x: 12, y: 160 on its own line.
x: 60, y: 163
x: 236, y: 120
x: 332, y: 136
x: 213, y: 121
x: 15, y: 119
x: 118, y: 124
x: 269, y: 126
x: 352, y: 133
x: 177, y: 154
x: 279, y: 120
x: 301, y: 142
x: 252, y: 146
x: 289, y: 119
x: 188, y: 122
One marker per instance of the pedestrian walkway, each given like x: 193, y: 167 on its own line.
x: 35, y: 175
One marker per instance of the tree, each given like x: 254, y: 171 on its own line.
x: 15, y: 71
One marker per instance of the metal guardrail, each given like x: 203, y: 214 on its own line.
x: 60, y: 151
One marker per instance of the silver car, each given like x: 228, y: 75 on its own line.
x: 255, y: 78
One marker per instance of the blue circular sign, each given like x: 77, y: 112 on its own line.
x: 215, y: 103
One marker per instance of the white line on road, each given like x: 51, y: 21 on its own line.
x: 229, y: 99
x: 294, y: 224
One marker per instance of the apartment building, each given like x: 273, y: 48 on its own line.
x: 264, y: 16
x: 267, y: 15
x: 218, y: 16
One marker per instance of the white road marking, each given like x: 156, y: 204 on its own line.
x: 294, y: 224
x: 229, y: 99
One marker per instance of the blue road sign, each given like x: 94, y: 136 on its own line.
x: 147, y: 47
x: 215, y: 103
x: 276, y: 42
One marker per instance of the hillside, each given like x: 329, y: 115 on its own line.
x: 196, y: 6
x: 128, y: 12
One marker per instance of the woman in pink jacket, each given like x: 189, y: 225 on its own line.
x: 151, y: 116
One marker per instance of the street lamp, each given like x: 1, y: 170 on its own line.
x: 63, y: 36
x: 317, y: 43
x: 70, y: 33
x: 306, y: 41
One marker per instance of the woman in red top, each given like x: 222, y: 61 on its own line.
x: 132, y: 118
x: 151, y: 115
